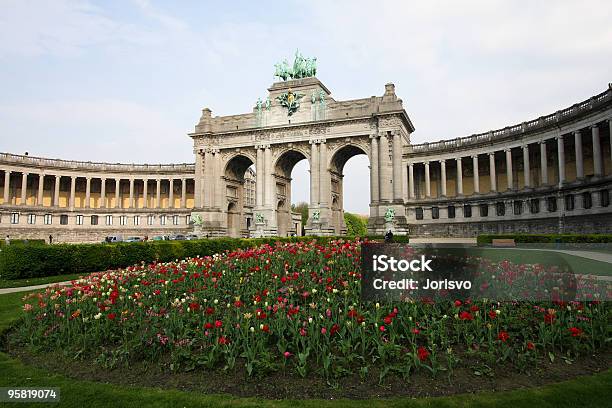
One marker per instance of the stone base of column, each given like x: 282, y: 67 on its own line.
x: 380, y: 226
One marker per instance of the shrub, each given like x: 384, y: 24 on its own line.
x: 355, y: 225
x: 546, y: 238
x: 31, y: 261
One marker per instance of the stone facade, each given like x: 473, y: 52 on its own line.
x: 551, y: 174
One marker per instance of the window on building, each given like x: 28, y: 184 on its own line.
x: 534, y: 206
x: 123, y: 220
x: 48, y: 219
x: 150, y: 219
x: 175, y: 220
x: 31, y: 218
x: 500, y: 208
x: 569, y: 202
x: 188, y: 220
x: 518, y: 207
x: 162, y: 220
x: 14, y: 218
x: 94, y: 220
x: 604, y: 198
x: 435, y: 213
x: 451, y: 211
x: 109, y: 220
x: 63, y: 219
x: 79, y: 220
x: 137, y: 220
x: 551, y: 204
x: 248, y: 221
x: 418, y: 212
x: 587, y: 202
x: 484, y: 210
x: 467, y: 210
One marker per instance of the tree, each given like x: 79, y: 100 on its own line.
x: 301, y: 208
x: 355, y: 224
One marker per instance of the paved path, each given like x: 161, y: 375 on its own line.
x: 29, y: 288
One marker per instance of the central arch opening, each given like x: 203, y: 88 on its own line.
x: 350, y: 182
x: 292, y: 178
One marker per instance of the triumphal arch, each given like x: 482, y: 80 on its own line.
x: 298, y: 120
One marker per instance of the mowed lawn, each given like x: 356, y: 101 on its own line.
x: 591, y: 391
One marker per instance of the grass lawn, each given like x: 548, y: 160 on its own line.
x: 516, y: 255
x: 17, y: 283
x: 591, y: 391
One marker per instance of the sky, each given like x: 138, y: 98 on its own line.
x: 125, y: 80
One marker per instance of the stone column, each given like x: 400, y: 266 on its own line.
x: 314, y: 174
x: 102, y: 192
x: 72, y: 191
x: 198, y: 180
x: 171, y: 194
x: 208, y: 179
x: 145, y: 193
x: 158, y: 193
x: 259, y: 179
x: 411, y: 179
x: 383, y: 160
x: 117, y: 186
x: 427, y: 181
x: 7, y: 186
x: 476, y: 174
x: 131, y: 200
x: 397, y: 166
x: 405, y: 182
x: 374, y: 175
x: 597, y: 163
x: 41, y: 189
x: 24, y: 188
x: 324, y: 184
x: 543, y: 163
x: 509, y: 177
x: 492, y: 173
x: 183, y: 192
x: 526, y: 165
x: 57, y: 190
x: 459, y: 177
x: 87, y: 192
x: 579, y: 158
x: 443, y: 177
x: 270, y: 183
x: 561, y: 158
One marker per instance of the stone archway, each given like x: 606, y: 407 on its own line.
x: 285, y: 162
x: 338, y: 160
x: 301, y: 120
x: 237, y: 207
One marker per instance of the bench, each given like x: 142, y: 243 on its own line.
x: 503, y: 243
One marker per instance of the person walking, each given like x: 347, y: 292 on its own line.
x: 50, y: 239
x: 7, y: 240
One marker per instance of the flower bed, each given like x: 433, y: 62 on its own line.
x: 294, y: 308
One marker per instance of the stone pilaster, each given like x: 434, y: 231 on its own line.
x: 397, y: 166
x: 374, y: 174
x: 383, y: 165
x: 314, y: 174
x: 324, y: 176
x: 259, y: 177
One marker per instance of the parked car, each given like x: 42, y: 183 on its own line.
x: 160, y: 238
x: 178, y: 237
x: 191, y: 237
x: 113, y: 238
x: 133, y: 239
